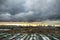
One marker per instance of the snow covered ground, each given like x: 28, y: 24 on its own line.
x: 18, y: 36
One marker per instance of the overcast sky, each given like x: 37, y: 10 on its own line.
x: 29, y: 10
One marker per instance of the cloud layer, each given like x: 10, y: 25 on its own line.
x: 29, y: 10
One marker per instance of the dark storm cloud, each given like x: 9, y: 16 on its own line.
x: 29, y: 10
